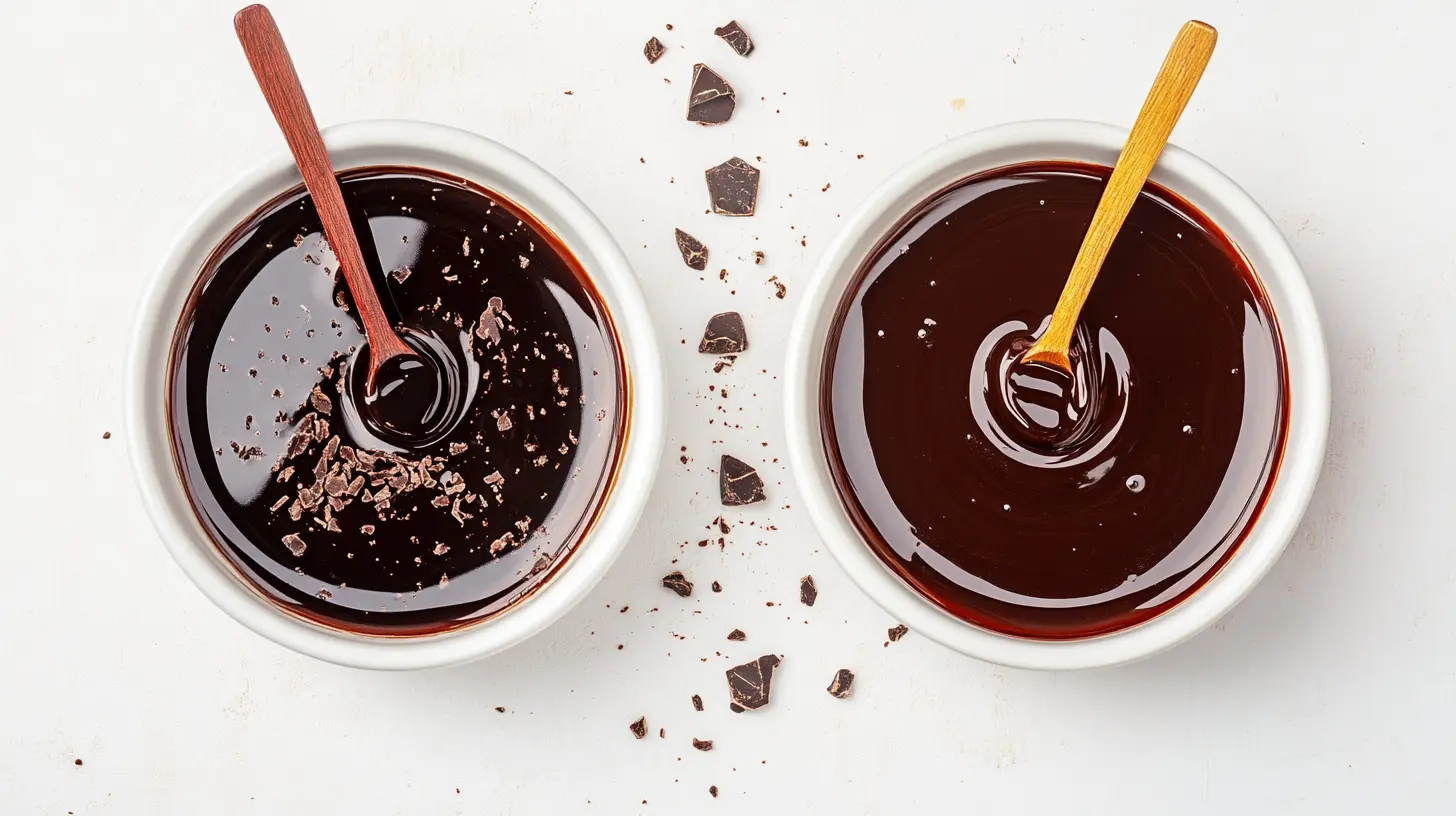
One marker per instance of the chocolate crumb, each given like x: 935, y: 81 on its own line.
x: 898, y: 631
x: 842, y: 683
x: 697, y: 703
x: 749, y: 685
x: 758, y: 257
x: 711, y: 100
x: 724, y: 362
x: 639, y: 728
x: 736, y: 37
x: 662, y: 733
x: 724, y: 334
x: 733, y: 187
x: 713, y: 791
x: 677, y: 583
x: 500, y: 709
x: 694, y: 252
x: 737, y: 634
x: 653, y: 50
x: 738, y: 483
x: 808, y: 592
x: 106, y: 434
x: 717, y: 587
x: 702, y: 745
x: 780, y: 291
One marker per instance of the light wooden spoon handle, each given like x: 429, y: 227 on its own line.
x: 1176, y: 80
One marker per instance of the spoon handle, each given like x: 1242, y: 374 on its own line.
x: 1172, y: 88
x: 273, y: 68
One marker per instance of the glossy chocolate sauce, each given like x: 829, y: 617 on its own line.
x: 469, y: 472
x: 1039, y: 505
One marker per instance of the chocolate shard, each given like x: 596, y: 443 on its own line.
x: 808, y: 592
x: 736, y: 37
x: 697, y: 703
x: 677, y: 583
x: 653, y: 50
x: 737, y: 634
x: 738, y: 483
x: 694, y: 252
x: 841, y: 684
x: 639, y: 728
x: 733, y: 187
x: 724, y: 334
x: 898, y: 631
x: 711, y: 99
x: 702, y: 745
x: 749, y: 685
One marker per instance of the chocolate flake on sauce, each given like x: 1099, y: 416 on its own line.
x: 724, y: 334
x: 677, y: 583
x: 711, y: 99
x: 736, y: 37
x: 739, y: 483
x: 749, y: 685
x: 653, y: 50
x: 842, y: 683
x: 733, y: 187
x: 694, y: 252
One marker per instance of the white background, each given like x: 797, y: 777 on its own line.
x: 1332, y: 689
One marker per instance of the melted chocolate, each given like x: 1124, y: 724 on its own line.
x: 1021, y: 499
x: 451, y: 490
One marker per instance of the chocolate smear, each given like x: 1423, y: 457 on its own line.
x: 736, y: 37
x: 711, y: 100
x: 739, y: 483
x: 842, y: 683
x: 724, y: 334
x: 677, y: 583
x: 733, y: 187
x: 639, y: 728
x: 749, y: 685
x: 808, y: 592
x: 653, y: 50
x: 694, y: 252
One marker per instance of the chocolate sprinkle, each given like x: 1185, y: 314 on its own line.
x: 842, y: 684
x: 639, y: 728
x: 898, y: 631
x: 677, y: 583
x: 808, y: 592
x: 653, y: 50
x: 702, y: 745
x: 711, y: 100
x: 736, y: 37
x: 733, y: 187
x: 724, y: 334
x: 694, y: 252
x: 738, y: 483
x: 749, y: 685
x: 737, y: 634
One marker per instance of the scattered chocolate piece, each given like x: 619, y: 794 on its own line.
x: 724, y: 334
x: 677, y: 583
x: 739, y: 483
x: 717, y: 587
x: 653, y: 50
x: 779, y: 289
x: 898, y: 631
x: 697, y: 703
x: 320, y: 401
x: 724, y: 362
x: 713, y: 791
x: 842, y: 683
x: 694, y: 252
x: 737, y: 634
x: 749, y: 684
x: 702, y: 745
x: 500, y: 709
x: 662, y: 733
x: 711, y: 100
x: 733, y: 187
x: 294, y: 544
x: 736, y: 37
x: 106, y: 435
x: 639, y: 728
x: 808, y: 592
x: 757, y: 256
x: 79, y: 762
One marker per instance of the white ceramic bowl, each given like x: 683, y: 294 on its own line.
x: 495, y: 167
x: 1237, y: 215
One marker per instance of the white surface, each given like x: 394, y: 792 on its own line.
x: 1195, y: 181
x: 460, y: 154
x: 1329, y: 690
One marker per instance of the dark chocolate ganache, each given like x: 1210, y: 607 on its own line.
x: 467, y: 474
x: 1021, y: 499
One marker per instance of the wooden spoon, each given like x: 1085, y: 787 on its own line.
x: 276, y: 76
x: 1176, y: 80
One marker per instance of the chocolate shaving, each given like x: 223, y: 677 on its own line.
x: 711, y: 99
x: 653, y: 50
x: 739, y: 483
x: 639, y: 728
x: 749, y: 684
x: 736, y: 37
x: 694, y: 252
x: 677, y: 583
x: 808, y: 592
x: 294, y: 544
x: 842, y: 683
x: 733, y: 187
x: 724, y: 334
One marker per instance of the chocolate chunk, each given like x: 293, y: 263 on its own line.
x: 653, y: 50
x: 639, y: 728
x: 737, y: 634
x: 736, y: 37
x: 717, y: 587
x: 713, y: 791
x: 808, y: 593
x: 842, y: 683
x: 749, y: 684
x: 733, y: 187
x: 738, y: 483
x: 677, y: 583
x: 724, y: 334
x: 106, y: 435
x: 697, y: 703
x: 702, y: 745
x: 898, y: 631
x: 694, y: 252
x: 711, y: 100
